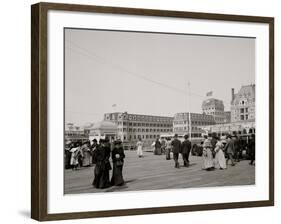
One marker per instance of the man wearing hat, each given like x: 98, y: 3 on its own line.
x: 93, y: 149
x: 229, y: 149
x: 185, y: 150
x: 176, y: 147
x: 101, y: 159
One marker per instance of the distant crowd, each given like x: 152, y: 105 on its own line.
x: 216, y: 152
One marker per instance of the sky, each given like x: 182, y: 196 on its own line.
x: 148, y: 73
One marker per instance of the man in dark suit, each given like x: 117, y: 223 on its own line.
x: 185, y: 150
x: 176, y: 147
x: 252, y: 150
x: 229, y: 149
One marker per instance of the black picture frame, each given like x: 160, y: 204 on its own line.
x: 39, y: 108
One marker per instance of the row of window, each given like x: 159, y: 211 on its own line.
x: 137, y: 117
x: 135, y: 137
x: 216, y: 113
x: 244, y: 117
x: 244, y: 110
x: 144, y: 130
x: 194, y: 122
x: 144, y: 124
x: 186, y: 128
x: 155, y: 119
x: 214, y: 108
x: 76, y: 135
x: 244, y: 103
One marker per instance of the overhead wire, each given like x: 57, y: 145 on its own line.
x: 94, y: 57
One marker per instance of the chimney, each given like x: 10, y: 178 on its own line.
x: 232, y: 94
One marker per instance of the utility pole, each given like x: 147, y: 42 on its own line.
x: 189, y: 116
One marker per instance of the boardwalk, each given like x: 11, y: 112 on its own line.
x: 155, y: 172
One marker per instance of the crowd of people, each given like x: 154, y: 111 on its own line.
x: 216, y: 153
x: 176, y: 147
x: 98, y: 153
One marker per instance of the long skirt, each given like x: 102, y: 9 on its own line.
x: 74, y: 160
x: 101, y: 179
x: 67, y: 159
x: 220, y: 162
x: 139, y: 151
x: 87, y: 160
x: 117, y: 175
x: 158, y: 151
x: 167, y: 152
x: 208, y: 161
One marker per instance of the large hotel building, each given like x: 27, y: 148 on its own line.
x: 243, y: 104
x: 242, y: 113
x: 130, y: 127
x: 181, y: 123
x: 215, y: 108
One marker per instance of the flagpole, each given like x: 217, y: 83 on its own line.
x: 189, y: 116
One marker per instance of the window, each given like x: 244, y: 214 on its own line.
x: 242, y: 110
x: 242, y: 117
x: 246, y: 110
x: 246, y: 117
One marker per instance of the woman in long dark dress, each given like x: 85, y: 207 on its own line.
x: 252, y: 149
x: 101, y: 159
x: 118, y: 156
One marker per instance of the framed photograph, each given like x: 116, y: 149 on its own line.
x: 142, y: 111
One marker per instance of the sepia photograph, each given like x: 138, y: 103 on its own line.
x: 157, y: 111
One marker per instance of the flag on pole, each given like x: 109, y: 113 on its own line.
x: 209, y: 93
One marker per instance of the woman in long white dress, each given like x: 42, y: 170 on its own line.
x: 139, y: 148
x: 87, y: 157
x: 74, y: 157
x: 208, y: 162
x: 220, y: 162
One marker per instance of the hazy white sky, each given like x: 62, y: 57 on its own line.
x: 148, y: 73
